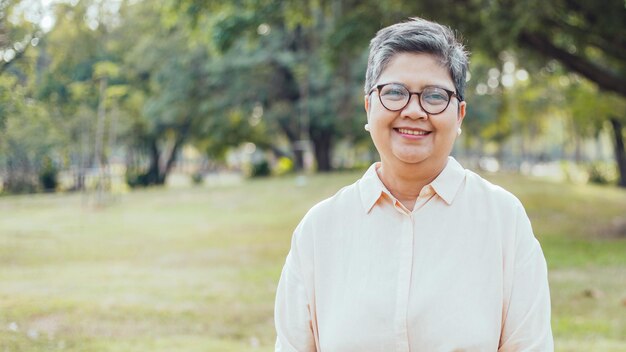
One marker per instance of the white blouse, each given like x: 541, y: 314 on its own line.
x: 461, y: 272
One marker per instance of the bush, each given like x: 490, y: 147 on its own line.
x: 601, y: 173
x: 135, y: 178
x: 21, y: 185
x: 197, y: 178
x: 260, y: 169
x: 48, y: 176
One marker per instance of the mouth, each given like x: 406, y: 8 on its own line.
x: 412, y: 132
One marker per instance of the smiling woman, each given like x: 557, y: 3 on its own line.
x: 420, y: 254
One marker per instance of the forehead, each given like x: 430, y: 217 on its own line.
x: 416, y: 70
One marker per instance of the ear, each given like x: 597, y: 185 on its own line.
x: 366, y: 105
x: 461, y: 115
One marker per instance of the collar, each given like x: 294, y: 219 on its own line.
x: 445, y: 185
x: 371, y: 188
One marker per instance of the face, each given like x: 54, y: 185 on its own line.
x: 412, y: 136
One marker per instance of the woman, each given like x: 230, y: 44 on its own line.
x: 419, y: 254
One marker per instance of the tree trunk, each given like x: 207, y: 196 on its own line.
x: 620, y: 152
x: 170, y: 161
x: 100, y: 160
x: 98, y: 149
x: 84, y: 158
x: 298, y: 155
x: 295, y: 144
x: 285, y: 91
x: 152, y: 175
x: 322, y: 138
x: 578, y: 153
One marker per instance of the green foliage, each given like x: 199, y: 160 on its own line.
x: 602, y: 173
x: 105, y: 69
x: 229, y: 29
x: 274, y: 73
x: 197, y: 178
x: 27, y: 137
x: 136, y: 178
x: 260, y: 168
x: 48, y: 175
x: 589, y: 108
x: 302, y: 61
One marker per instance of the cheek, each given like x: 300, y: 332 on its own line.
x: 447, y: 124
x: 380, y: 116
x: 380, y: 130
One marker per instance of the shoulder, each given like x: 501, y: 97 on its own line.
x: 500, y: 211
x: 327, y: 219
x: 320, y: 224
x: 345, y: 199
x: 481, y: 189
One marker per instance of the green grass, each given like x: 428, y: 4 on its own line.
x: 196, y: 269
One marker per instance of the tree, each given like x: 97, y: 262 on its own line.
x: 179, y: 92
x: 28, y: 137
x: 313, y: 52
x: 67, y: 56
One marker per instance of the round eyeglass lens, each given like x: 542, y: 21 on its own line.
x: 434, y: 100
x: 394, y: 96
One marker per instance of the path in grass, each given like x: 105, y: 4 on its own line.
x: 196, y: 269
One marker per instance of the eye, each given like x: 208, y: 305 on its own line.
x: 435, y: 96
x: 394, y: 92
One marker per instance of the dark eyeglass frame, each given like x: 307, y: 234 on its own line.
x: 450, y: 93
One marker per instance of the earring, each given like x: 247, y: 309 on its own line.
x: 367, y: 127
x: 458, y: 131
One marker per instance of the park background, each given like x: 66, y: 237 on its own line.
x: 156, y: 155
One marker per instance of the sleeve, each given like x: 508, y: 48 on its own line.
x: 526, y: 325
x: 292, y: 312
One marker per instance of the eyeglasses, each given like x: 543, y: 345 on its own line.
x: 433, y: 100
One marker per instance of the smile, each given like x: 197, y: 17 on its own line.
x: 412, y: 132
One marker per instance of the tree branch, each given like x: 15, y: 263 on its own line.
x: 614, y: 46
x: 601, y: 76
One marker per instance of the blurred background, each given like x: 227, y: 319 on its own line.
x: 156, y: 156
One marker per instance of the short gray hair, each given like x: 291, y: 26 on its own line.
x: 418, y: 36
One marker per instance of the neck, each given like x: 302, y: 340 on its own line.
x: 405, y: 181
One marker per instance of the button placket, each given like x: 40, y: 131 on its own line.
x: 404, y: 282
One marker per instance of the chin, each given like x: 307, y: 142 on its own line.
x: 411, y: 159
x: 412, y: 156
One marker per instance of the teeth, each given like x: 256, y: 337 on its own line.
x: 415, y: 133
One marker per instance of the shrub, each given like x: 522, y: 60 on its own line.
x: 601, y: 173
x: 260, y: 169
x: 136, y: 178
x: 48, y: 175
x: 197, y: 178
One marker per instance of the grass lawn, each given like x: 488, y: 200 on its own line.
x: 195, y: 269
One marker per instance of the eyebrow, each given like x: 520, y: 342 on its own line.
x: 424, y: 87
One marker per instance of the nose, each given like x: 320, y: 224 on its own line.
x: 413, y: 109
